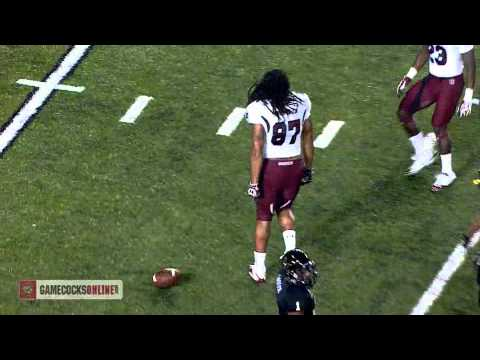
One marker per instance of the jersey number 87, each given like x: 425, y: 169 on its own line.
x: 280, y: 132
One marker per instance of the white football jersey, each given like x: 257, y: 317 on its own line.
x: 446, y: 60
x: 283, y: 135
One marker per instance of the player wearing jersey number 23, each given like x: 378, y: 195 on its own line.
x: 443, y: 86
x: 280, y: 161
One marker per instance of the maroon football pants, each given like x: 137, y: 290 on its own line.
x: 444, y: 92
x: 279, y: 185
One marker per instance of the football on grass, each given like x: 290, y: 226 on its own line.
x: 166, y: 277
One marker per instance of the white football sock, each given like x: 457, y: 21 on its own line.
x: 417, y: 142
x: 290, y: 240
x: 446, y: 163
x: 260, y: 260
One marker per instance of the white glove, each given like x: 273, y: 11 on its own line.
x: 253, y: 191
x: 466, y: 107
x: 407, y: 79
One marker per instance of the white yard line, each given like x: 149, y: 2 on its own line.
x: 455, y: 260
x: 31, y: 107
x: 329, y: 132
x: 322, y: 141
x: 232, y: 122
x: 136, y: 109
x: 77, y: 89
x: 476, y: 101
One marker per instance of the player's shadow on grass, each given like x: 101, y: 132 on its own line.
x: 384, y: 194
x: 472, y: 162
x: 375, y: 205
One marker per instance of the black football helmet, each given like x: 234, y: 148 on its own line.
x: 298, y: 268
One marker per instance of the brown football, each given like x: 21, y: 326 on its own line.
x: 166, y: 277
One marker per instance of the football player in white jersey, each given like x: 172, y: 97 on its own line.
x: 443, y: 86
x: 280, y: 161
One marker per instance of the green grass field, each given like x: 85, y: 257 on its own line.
x: 86, y: 197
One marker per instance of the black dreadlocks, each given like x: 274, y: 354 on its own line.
x: 274, y: 88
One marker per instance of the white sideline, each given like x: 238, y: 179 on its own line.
x: 136, y: 109
x: 476, y: 101
x: 455, y: 260
x: 77, y: 89
x: 232, y: 122
x: 328, y: 134
x: 31, y: 107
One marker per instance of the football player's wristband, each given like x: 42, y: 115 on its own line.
x: 468, y: 95
x: 412, y: 73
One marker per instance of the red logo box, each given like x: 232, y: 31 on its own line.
x: 27, y: 289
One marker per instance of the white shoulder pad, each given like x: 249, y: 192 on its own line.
x: 254, y: 113
x: 307, y: 104
x: 463, y: 49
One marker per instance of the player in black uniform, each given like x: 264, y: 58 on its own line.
x: 474, y: 228
x: 477, y: 266
x: 296, y: 277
